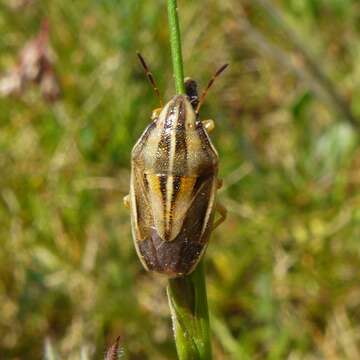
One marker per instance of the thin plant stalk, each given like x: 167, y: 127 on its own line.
x: 187, y: 295
x: 175, y: 43
x: 190, y: 316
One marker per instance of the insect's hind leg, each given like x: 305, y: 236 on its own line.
x: 223, y: 214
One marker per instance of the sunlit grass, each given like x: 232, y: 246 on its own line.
x: 283, y: 269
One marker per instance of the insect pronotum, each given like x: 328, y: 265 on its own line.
x: 174, y: 179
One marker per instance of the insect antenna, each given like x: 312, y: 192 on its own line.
x: 205, y: 92
x: 150, y: 76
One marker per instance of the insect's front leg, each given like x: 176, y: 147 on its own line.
x: 126, y: 201
x: 155, y: 114
x: 222, y: 212
x: 209, y: 125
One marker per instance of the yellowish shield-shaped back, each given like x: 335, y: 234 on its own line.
x: 173, y: 185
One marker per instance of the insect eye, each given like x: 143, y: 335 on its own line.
x: 191, y: 92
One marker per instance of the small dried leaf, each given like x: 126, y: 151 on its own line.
x: 35, y: 66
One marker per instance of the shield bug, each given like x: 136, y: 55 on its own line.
x: 174, y: 179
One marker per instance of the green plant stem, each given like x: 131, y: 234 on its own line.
x: 175, y: 43
x: 190, y: 316
x: 187, y: 295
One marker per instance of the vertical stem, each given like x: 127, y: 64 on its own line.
x: 175, y: 43
x: 187, y: 295
x: 190, y: 316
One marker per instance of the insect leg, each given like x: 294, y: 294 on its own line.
x: 126, y: 201
x: 155, y: 114
x: 223, y: 213
x: 209, y: 125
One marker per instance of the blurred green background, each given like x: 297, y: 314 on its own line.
x: 283, y: 271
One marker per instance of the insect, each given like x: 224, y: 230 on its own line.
x: 174, y: 179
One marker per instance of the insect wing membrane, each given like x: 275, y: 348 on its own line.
x: 180, y: 255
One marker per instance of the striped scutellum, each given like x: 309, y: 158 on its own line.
x: 174, y: 169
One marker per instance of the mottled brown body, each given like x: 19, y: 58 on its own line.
x: 172, y: 194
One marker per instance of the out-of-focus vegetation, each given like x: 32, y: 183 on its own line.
x: 283, y: 271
